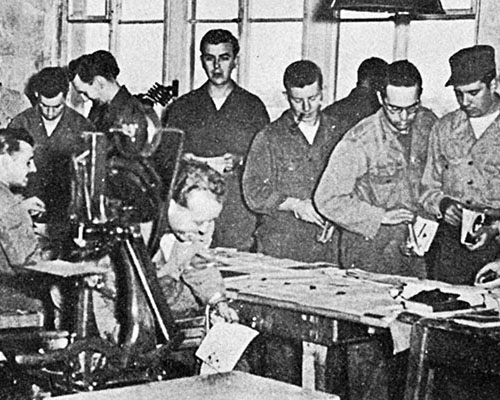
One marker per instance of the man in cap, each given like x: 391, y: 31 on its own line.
x: 463, y: 166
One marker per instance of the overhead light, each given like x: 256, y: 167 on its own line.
x: 391, y: 6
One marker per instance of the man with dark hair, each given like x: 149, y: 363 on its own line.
x: 463, y: 168
x: 18, y: 242
x: 94, y: 76
x: 56, y: 129
x: 219, y: 120
x: 362, y: 101
x: 284, y: 164
x: 371, y: 184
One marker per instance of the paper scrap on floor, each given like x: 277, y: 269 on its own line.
x: 223, y: 346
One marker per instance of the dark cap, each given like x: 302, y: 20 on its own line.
x: 471, y: 64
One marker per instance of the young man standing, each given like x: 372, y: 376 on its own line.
x: 371, y: 184
x: 220, y: 120
x: 463, y: 169
x: 283, y: 167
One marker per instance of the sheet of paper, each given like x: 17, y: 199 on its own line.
x: 223, y: 346
x: 422, y: 235
x: 471, y: 222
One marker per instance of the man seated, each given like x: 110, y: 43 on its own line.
x: 187, y: 280
x: 18, y: 242
x: 56, y: 129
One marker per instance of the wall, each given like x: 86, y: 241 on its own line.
x: 28, y: 29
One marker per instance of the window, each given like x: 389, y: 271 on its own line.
x: 132, y: 30
x: 256, y: 23
x: 363, y: 35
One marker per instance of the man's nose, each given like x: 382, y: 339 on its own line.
x: 216, y: 63
x: 306, y: 105
x: 32, y: 168
x: 203, y: 227
x: 466, y: 100
x: 403, y: 115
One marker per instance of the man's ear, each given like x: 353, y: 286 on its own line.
x: 494, y: 85
x: 99, y: 81
x: 379, y: 97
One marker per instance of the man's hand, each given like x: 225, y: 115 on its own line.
x: 33, y: 205
x: 483, y: 235
x: 303, y: 210
x: 398, y: 216
x: 453, y: 214
x: 224, y: 312
x: 488, y: 277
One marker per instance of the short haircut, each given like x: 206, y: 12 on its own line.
x: 87, y: 67
x: 401, y: 74
x: 218, y: 36
x: 51, y: 81
x: 372, y: 70
x: 10, y: 139
x: 302, y: 73
x: 197, y: 176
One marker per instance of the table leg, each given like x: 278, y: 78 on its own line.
x: 313, y: 366
x: 420, y: 376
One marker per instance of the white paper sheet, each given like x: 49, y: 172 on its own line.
x: 223, y: 346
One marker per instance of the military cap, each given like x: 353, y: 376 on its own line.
x: 471, y: 64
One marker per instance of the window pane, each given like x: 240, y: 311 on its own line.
x: 140, y: 64
x: 87, y: 38
x: 431, y: 57
x: 276, y: 9
x: 457, y: 4
x: 142, y: 10
x: 201, y: 29
x: 216, y: 9
x: 79, y: 8
x: 269, y: 58
x: 359, y: 41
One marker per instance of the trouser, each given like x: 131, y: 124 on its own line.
x: 450, y: 261
x: 382, y: 254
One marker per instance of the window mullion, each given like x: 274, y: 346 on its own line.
x: 244, y: 40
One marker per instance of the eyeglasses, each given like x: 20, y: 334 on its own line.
x: 412, y: 109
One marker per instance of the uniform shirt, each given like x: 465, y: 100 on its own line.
x: 368, y: 173
x: 359, y: 104
x: 281, y: 164
x: 460, y: 166
x: 18, y: 242
x: 211, y: 133
x: 52, y: 181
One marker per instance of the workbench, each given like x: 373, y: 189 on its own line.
x: 329, y: 310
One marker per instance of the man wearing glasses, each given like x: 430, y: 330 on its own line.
x: 370, y: 186
x: 463, y: 169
